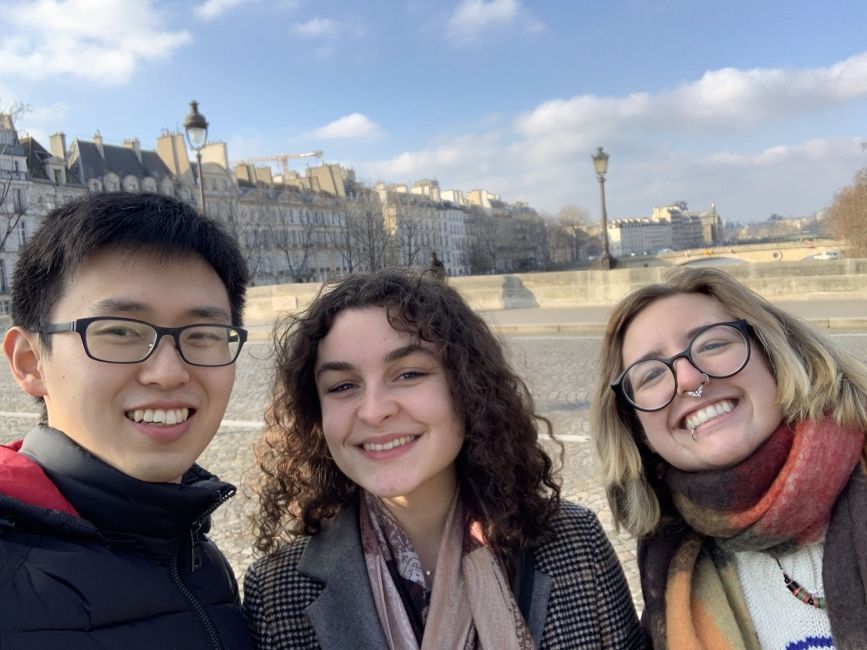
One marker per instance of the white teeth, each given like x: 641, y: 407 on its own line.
x: 397, y: 442
x: 159, y: 416
x: 694, y: 420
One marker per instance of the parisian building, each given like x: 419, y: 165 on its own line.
x: 292, y: 227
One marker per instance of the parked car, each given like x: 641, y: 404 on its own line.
x: 827, y: 255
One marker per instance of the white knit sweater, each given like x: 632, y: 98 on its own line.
x: 782, y: 621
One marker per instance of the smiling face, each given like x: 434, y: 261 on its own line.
x: 150, y: 420
x: 387, y: 412
x: 730, y: 419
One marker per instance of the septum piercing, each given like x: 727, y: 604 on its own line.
x: 698, y: 392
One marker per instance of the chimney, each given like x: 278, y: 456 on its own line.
x: 97, y: 140
x: 135, y: 145
x: 57, y: 145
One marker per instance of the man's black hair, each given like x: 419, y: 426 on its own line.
x: 119, y: 221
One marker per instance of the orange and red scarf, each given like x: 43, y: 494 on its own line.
x: 802, y: 482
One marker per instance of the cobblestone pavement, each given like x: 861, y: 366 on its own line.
x: 559, y: 371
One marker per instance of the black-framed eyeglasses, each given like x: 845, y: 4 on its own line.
x: 128, y: 340
x: 718, y: 350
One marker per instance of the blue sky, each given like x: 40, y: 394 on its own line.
x: 757, y: 107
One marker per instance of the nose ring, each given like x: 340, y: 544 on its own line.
x: 698, y: 392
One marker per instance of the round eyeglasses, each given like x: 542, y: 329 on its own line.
x: 718, y: 350
x: 127, y: 340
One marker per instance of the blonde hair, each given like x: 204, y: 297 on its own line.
x: 813, y: 378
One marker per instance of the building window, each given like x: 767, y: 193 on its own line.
x: 4, y: 286
x: 18, y: 200
x: 22, y: 232
x: 58, y: 177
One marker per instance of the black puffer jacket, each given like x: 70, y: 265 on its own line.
x: 91, y: 558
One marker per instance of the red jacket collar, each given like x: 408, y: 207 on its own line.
x: 24, y: 480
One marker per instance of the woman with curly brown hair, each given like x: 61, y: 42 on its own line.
x: 406, y: 500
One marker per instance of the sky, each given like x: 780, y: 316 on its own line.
x: 755, y: 107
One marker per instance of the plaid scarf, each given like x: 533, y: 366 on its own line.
x: 470, y: 605
x: 787, y: 493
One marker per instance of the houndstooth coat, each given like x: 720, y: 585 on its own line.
x: 314, y: 592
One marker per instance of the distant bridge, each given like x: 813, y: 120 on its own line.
x: 774, y: 252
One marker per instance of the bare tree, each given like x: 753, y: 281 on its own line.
x: 252, y: 232
x: 296, y: 243
x: 13, y: 201
x: 491, y: 239
x: 483, y: 246
x: 848, y: 215
x: 574, y: 222
x: 478, y: 260
x: 560, y: 246
x: 409, y: 224
x: 367, y: 228
x: 341, y: 240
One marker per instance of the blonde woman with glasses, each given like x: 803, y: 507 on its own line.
x: 731, y: 437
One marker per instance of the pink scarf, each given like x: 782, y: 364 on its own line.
x: 470, y: 604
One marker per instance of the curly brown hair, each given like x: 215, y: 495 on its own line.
x: 506, y: 478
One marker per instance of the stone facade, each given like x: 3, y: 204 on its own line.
x: 33, y: 181
x: 291, y: 227
x: 669, y: 227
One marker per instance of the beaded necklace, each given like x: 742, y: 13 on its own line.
x: 799, y: 592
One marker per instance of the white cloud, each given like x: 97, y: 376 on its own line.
x: 676, y: 144
x: 353, y: 126
x: 326, y: 35
x: 477, y: 152
x: 316, y: 27
x: 211, y: 9
x: 97, y: 40
x: 720, y: 99
x: 472, y: 17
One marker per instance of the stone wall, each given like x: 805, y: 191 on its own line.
x: 806, y: 280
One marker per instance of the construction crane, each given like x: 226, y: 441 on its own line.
x: 283, y: 159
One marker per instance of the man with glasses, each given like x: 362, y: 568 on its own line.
x: 127, y: 313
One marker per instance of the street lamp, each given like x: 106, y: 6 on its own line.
x: 600, y: 163
x: 196, y: 127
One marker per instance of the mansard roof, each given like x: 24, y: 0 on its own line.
x: 37, y: 158
x: 118, y: 160
x: 154, y: 165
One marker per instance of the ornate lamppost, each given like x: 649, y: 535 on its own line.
x: 196, y: 127
x: 600, y: 163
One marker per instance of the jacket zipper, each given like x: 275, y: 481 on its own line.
x: 176, y: 571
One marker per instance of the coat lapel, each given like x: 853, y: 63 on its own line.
x: 344, y: 614
x: 532, y: 588
x: 539, y: 606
